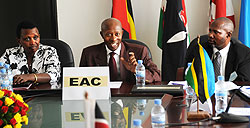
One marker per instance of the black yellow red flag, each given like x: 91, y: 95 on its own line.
x: 122, y: 10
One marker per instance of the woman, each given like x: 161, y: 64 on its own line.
x: 32, y: 61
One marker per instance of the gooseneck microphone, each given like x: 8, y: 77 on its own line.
x: 225, y: 117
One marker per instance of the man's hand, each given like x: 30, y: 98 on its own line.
x: 131, y: 63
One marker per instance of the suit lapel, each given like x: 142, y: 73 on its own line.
x: 208, y: 48
x: 124, y: 54
x: 230, y: 61
x: 101, y: 53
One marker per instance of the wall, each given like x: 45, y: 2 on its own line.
x: 79, y: 22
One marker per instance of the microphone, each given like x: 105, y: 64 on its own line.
x: 225, y: 117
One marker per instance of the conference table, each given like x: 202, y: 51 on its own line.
x: 49, y: 111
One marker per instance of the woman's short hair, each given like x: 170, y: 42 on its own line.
x: 26, y: 24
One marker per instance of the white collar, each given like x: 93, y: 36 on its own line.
x: 223, y: 51
x: 117, y: 51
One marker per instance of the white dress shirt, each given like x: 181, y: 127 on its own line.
x: 116, y: 56
x: 223, y: 53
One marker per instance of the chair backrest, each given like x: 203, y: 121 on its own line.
x: 63, y: 50
x: 180, y: 74
x: 140, y: 43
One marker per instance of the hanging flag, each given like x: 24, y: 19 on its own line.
x: 161, y: 21
x: 244, y: 28
x: 122, y: 10
x: 221, y: 8
x: 161, y: 25
x: 200, y: 75
x: 174, y: 38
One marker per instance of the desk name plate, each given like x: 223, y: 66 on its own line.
x: 78, y: 80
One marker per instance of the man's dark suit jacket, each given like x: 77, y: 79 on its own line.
x: 96, y: 55
x: 238, y: 57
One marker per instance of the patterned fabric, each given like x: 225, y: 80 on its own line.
x: 217, y: 65
x: 45, y: 60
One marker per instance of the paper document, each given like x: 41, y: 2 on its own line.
x: 207, y: 106
x: 231, y: 85
x: 246, y: 91
x: 239, y: 111
x: 116, y: 84
x: 184, y: 83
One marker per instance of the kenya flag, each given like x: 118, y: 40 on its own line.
x: 172, y: 37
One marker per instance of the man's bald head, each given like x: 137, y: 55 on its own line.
x: 224, y: 23
x: 109, y: 22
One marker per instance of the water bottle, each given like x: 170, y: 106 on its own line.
x: 10, y: 75
x: 140, y: 73
x: 5, y: 80
x: 1, y: 65
x: 141, y: 104
x: 7, y: 67
x: 220, y: 95
x: 188, y: 66
x: 189, y: 90
x: 137, y: 123
x: 2, y: 73
x: 158, y: 115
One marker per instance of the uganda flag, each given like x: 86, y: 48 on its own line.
x: 122, y: 10
x: 200, y: 75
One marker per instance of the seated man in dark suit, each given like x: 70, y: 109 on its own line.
x: 235, y: 56
x: 126, y: 54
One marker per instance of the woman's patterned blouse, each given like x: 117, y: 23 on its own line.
x: 45, y: 60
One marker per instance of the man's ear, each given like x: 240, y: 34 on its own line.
x: 101, y: 34
x: 229, y: 34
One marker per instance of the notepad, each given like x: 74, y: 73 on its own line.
x: 239, y: 111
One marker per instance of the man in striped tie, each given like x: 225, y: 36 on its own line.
x: 228, y: 54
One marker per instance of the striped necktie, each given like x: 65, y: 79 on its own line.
x: 217, y: 64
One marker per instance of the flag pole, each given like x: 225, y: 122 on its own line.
x: 198, y: 104
x: 198, y: 41
x: 198, y: 38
